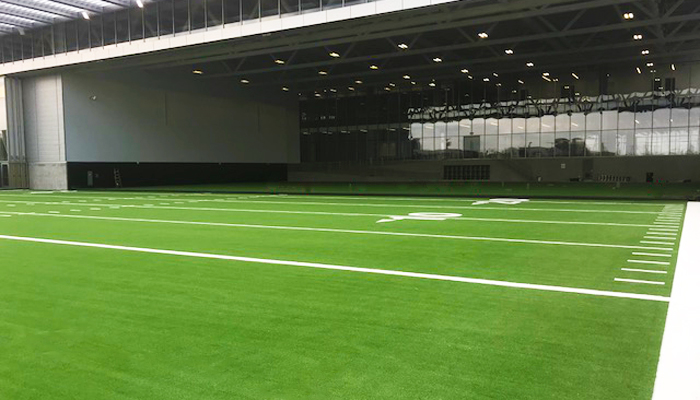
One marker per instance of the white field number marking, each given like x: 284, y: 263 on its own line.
x: 500, y: 201
x: 426, y: 216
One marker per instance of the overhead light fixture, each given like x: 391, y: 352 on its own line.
x: 285, y: 89
x: 198, y: 72
x: 437, y: 59
x: 392, y: 84
x: 373, y: 67
x: 245, y: 81
x: 650, y: 64
x: 332, y: 90
x: 483, y: 35
x: 350, y: 88
x: 403, y: 46
x: 575, y: 76
x: 407, y: 77
x: 530, y: 64
x: 470, y: 77
x: 317, y: 94
x: 334, y: 54
x: 637, y: 36
x: 509, y: 51
x: 673, y: 67
x: 645, y: 52
x: 387, y: 88
x: 545, y: 74
x: 359, y: 82
x: 85, y: 14
x: 628, y: 15
x: 653, y: 71
x: 499, y: 84
x: 520, y: 81
x: 323, y: 72
x: 139, y: 3
x: 486, y: 79
x: 546, y: 78
x: 639, y: 70
x: 280, y: 62
x: 464, y: 71
x: 431, y: 84
x: 495, y: 74
x: 413, y: 82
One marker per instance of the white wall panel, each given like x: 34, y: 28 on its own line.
x: 127, y: 122
x: 43, y: 118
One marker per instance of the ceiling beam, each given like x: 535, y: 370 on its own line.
x: 475, y: 44
x: 585, y: 53
x: 416, y: 23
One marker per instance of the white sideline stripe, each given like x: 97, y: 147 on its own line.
x: 364, y: 197
x: 150, y: 206
x: 505, y: 208
x: 666, y: 223
x: 651, y: 254
x: 663, y: 229
x: 663, y: 233
x: 648, y: 242
x: 314, y: 203
x: 353, y: 231
x: 644, y: 270
x: 679, y: 362
x: 531, y: 286
x: 639, y: 281
x: 464, y: 199
x: 649, y: 262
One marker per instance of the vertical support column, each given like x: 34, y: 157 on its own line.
x: 17, y: 155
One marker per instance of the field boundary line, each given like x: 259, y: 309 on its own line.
x: 244, y: 210
x: 350, y: 231
x: 679, y: 362
x: 505, y: 208
x: 331, y: 197
x: 450, y: 278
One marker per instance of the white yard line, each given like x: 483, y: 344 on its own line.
x: 652, y: 254
x: 530, y: 286
x: 649, y: 262
x: 227, y: 196
x: 644, y: 270
x: 352, y: 231
x: 650, y: 242
x: 504, y: 208
x: 678, y: 372
x: 263, y: 211
x: 639, y: 281
x: 671, y: 240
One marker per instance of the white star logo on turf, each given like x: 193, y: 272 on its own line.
x: 500, y: 201
x: 421, y: 217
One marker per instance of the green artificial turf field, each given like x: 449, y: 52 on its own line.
x: 120, y: 295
